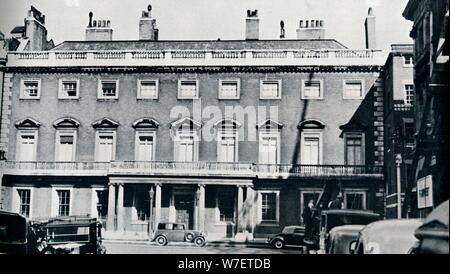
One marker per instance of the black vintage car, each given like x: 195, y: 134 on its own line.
x: 290, y: 236
x: 177, y: 232
x: 66, y: 235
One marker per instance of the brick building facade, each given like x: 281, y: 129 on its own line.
x: 96, y: 125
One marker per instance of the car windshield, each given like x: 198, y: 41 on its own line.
x: 288, y: 229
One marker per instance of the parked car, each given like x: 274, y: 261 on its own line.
x: 290, y: 236
x: 177, y: 232
x: 73, y: 235
x: 433, y: 233
x: 338, y: 217
x: 387, y: 237
x: 50, y: 236
x: 341, y: 237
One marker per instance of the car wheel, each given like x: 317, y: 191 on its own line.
x: 278, y: 244
x: 199, y: 241
x: 189, y: 237
x: 161, y: 240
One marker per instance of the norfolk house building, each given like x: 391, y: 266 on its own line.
x: 233, y: 137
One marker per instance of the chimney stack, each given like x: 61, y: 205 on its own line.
x: 252, y: 25
x: 35, y: 30
x: 147, y: 26
x: 370, y: 30
x: 311, y: 30
x: 98, y: 30
x: 282, y: 31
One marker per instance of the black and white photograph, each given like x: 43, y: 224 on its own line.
x: 216, y: 127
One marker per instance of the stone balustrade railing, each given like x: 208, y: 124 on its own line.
x: 194, y: 57
x: 187, y: 169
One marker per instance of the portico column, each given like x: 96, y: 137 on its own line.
x: 111, y: 207
x: 201, y: 207
x: 252, y: 206
x: 157, y: 204
x: 239, y: 209
x: 120, y: 211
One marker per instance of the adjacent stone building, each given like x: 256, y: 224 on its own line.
x: 430, y: 179
x: 230, y: 136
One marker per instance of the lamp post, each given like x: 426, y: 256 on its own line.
x: 150, y: 218
x: 398, y: 162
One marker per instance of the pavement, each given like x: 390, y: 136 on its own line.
x: 257, y: 243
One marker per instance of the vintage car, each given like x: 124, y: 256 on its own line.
x: 177, y: 232
x: 15, y: 234
x: 73, y: 235
x: 290, y: 236
x: 433, y: 233
x: 387, y: 237
x: 338, y: 217
x: 341, y: 238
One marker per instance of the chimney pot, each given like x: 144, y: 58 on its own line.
x: 252, y: 25
x: 370, y: 30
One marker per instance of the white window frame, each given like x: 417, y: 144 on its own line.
x: 405, y: 83
x: 94, y: 198
x: 270, y: 133
x: 363, y: 91
x: 277, y: 220
x: 238, y: 84
x: 55, y: 200
x: 21, y: 132
x: 100, y: 90
x: 320, y: 89
x: 61, y: 94
x: 140, y: 133
x: 99, y: 133
x: 180, y: 133
x: 139, y: 89
x: 261, y: 85
x: 60, y: 132
x: 23, y: 95
x: 316, y: 134
x: 307, y: 191
x: 228, y: 133
x: 404, y: 61
x: 363, y: 145
x: 16, y: 199
x: 356, y: 191
x: 180, y: 82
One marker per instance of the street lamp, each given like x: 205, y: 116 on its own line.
x: 398, y: 162
x: 150, y: 218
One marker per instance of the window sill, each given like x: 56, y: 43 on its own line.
x: 29, y: 98
x: 146, y: 99
x: 312, y: 98
x: 68, y: 98
x: 107, y: 99
x: 269, y: 98
x: 229, y: 98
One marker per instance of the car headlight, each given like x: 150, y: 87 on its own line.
x: 372, y: 248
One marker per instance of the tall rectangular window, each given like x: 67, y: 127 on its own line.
x: 354, y: 150
x: 101, y: 203
x: 187, y: 89
x: 30, y: 89
x: 63, y: 202
x: 108, y: 89
x: 269, y: 149
x: 353, y: 89
x: 147, y: 89
x: 409, y: 95
x: 145, y: 146
x: 24, y: 201
x: 27, y: 145
x: 268, y: 206
x: 312, y: 89
x: 65, y: 146
x: 227, y: 147
x: 105, y: 147
x: 310, y: 149
x: 270, y: 89
x: 185, y: 147
x: 68, y: 89
x: 355, y: 200
x: 229, y: 89
x: 409, y: 134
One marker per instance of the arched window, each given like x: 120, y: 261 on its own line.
x: 185, y: 132
x: 27, y: 139
x: 66, y: 139
x: 105, y: 139
x: 145, y: 139
x: 227, y: 140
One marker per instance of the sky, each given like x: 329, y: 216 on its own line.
x: 211, y: 19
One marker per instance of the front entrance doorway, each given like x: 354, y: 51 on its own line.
x: 184, y: 207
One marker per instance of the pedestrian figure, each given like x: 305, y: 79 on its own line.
x: 336, y: 203
x: 308, y: 218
